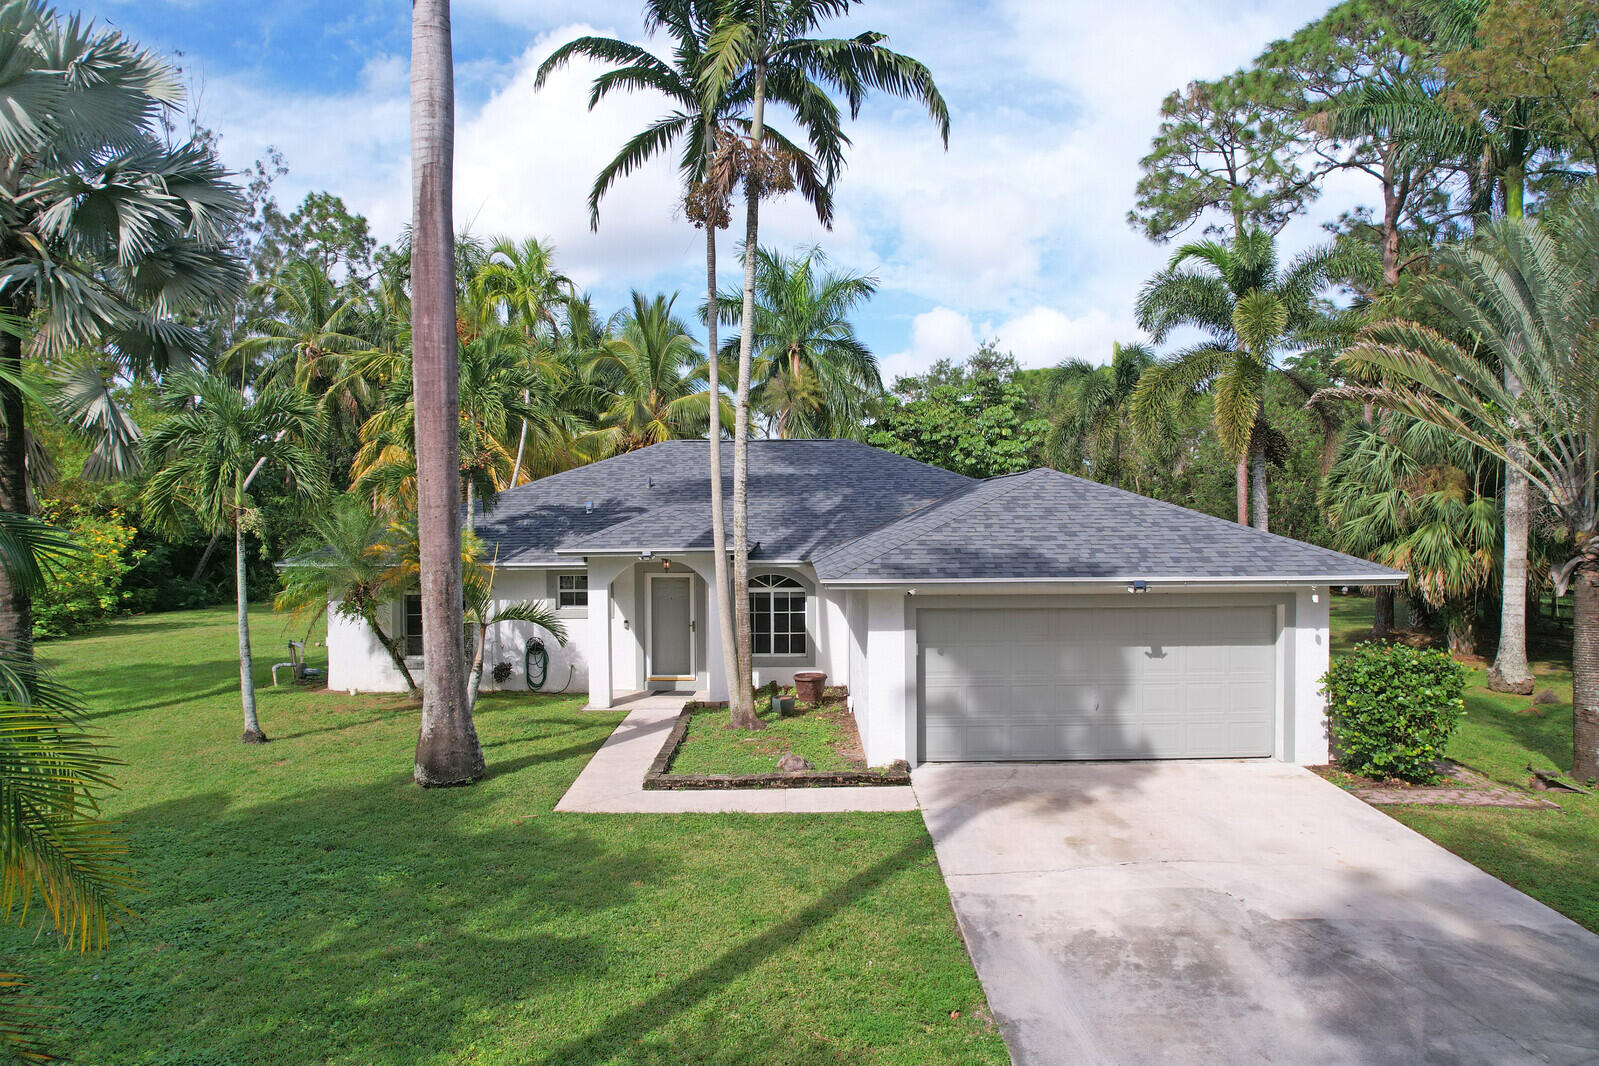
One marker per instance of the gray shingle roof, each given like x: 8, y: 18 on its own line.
x: 1045, y: 524
x: 805, y: 496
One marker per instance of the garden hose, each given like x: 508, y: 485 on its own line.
x: 536, y: 657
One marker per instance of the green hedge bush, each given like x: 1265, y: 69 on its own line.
x: 87, y: 590
x: 1392, y: 709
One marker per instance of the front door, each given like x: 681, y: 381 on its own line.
x: 671, y: 628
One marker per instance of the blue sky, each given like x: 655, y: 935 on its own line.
x: 1017, y: 231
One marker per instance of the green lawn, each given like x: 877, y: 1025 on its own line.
x: 1547, y: 854
x: 303, y: 902
x: 817, y: 734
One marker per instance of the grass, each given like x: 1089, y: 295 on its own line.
x: 304, y: 902
x: 824, y: 734
x: 1548, y: 854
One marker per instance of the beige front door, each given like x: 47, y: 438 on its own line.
x: 671, y: 628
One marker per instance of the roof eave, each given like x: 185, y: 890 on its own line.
x: 1268, y: 581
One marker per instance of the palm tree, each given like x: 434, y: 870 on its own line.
x: 110, y: 235
x: 503, y: 380
x: 1526, y: 295
x: 812, y: 375
x: 762, y: 47
x: 1414, y: 497
x: 652, y: 377
x: 352, y: 566
x: 311, y: 330
x: 483, y: 613
x: 447, y: 748
x: 705, y: 124
x: 1254, y: 317
x: 203, y: 455
x: 1090, y: 432
x: 520, y: 281
x: 57, y: 849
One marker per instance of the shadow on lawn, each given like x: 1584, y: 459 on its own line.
x: 373, y: 922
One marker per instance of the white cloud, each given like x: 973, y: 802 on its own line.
x: 1039, y: 336
x: 1018, y: 230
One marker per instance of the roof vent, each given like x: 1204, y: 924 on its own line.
x: 588, y: 506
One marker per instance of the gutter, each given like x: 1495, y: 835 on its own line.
x: 1114, y: 583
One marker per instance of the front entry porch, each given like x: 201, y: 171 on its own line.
x: 651, y: 623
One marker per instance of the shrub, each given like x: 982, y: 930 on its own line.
x: 88, y: 590
x: 1392, y: 708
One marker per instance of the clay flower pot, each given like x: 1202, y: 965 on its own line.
x: 808, y: 685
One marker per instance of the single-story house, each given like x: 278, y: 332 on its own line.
x: 1027, y: 617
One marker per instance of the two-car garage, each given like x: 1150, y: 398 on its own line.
x: 1136, y: 681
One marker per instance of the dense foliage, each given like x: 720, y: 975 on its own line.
x: 1392, y: 708
x: 91, y: 589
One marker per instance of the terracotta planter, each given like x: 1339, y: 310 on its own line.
x: 808, y: 685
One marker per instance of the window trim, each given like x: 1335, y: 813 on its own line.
x: 576, y: 610
x: 791, y: 584
x: 405, y: 626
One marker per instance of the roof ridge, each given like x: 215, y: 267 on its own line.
x: 1224, y: 522
x: 922, y: 512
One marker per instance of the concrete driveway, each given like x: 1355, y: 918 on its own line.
x: 1241, y: 912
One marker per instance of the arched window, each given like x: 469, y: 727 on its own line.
x: 777, y: 615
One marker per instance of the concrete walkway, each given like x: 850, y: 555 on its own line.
x: 1232, y: 912
x: 613, y: 780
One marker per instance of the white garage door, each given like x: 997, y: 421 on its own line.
x: 1097, y: 683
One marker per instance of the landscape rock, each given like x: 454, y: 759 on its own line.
x: 794, y: 764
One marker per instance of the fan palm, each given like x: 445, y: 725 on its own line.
x: 704, y: 126
x: 352, y: 567
x: 812, y: 375
x: 1257, y: 318
x: 763, y: 47
x: 1526, y: 296
x: 203, y: 455
x: 652, y: 376
x: 56, y: 849
x: 1090, y: 431
x: 110, y: 234
x: 1414, y: 497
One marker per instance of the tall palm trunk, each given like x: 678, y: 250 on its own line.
x: 726, y: 631
x: 16, y: 605
x: 1585, y: 676
x: 252, y: 727
x: 447, y: 748
x: 1241, y: 484
x: 743, y: 706
x: 1510, y: 671
x: 1257, y: 487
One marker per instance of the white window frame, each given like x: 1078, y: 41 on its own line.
x: 765, y: 585
x: 571, y: 609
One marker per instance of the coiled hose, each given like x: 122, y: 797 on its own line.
x: 535, y: 664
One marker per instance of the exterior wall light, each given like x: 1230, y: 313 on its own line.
x: 1138, y: 586
x: 666, y: 564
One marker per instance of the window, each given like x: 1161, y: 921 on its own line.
x: 572, y: 590
x: 412, y: 627
x: 777, y: 615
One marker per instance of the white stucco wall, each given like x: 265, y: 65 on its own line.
x: 507, y: 642
x: 356, y: 661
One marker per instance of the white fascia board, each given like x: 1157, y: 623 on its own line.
x: 1091, y: 584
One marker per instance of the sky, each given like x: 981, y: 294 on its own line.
x: 1017, y: 232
